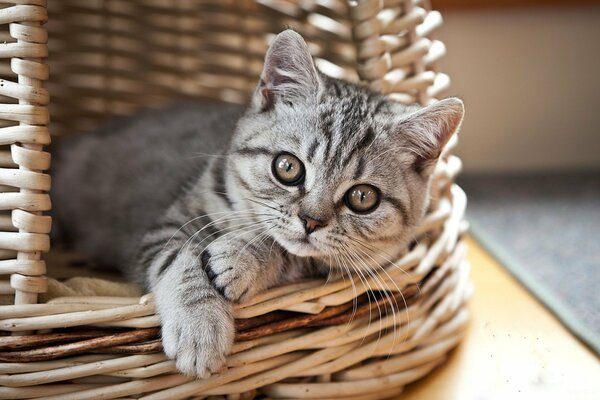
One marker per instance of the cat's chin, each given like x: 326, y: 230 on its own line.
x: 300, y: 248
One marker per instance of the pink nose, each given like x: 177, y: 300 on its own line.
x: 311, y: 224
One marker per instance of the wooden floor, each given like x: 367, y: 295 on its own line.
x: 514, y: 348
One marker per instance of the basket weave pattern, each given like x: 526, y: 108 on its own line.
x: 311, y: 339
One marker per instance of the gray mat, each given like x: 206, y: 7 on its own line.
x: 546, y: 230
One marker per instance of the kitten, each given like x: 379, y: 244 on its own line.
x: 317, y: 170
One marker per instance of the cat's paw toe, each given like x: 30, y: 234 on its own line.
x: 235, y: 284
x: 200, y: 342
x: 194, y: 359
x: 170, y: 339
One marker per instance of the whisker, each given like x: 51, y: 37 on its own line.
x: 245, y: 225
x: 374, y: 249
x: 198, y: 155
x: 243, y: 230
x: 379, y: 252
x: 348, y: 250
x: 272, y: 244
x: 263, y: 204
x: 354, y: 290
x: 390, y: 299
x: 258, y: 202
x: 229, y: 213
x: 224, y: 219
x: 259, y: 235
x: 364, y: 282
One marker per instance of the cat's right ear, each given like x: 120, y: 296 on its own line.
x: 429, y: 129
x: 289, y: 73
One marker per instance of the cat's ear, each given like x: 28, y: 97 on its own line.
x: 289, y: 73
x: 429, y: 129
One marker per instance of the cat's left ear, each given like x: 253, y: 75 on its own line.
x: 289, y: 73
x: 430, y: 128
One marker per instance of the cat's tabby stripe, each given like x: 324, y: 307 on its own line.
x: 360, y: 168
x: 242, y: 182
x: 253, y: 151
x: 400, y: 207
x: 218, y: 175
x: 366, y: 140
x: 166, y: 261
x: 310, y: 154
x: 198, y: 293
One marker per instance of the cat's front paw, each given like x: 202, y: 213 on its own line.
x: 200, y: 338
x: 231, y: 273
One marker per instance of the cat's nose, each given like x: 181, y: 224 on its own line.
x: 311, y: 224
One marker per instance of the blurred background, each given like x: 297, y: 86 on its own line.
x: 531, y: 78
x: 529, y: 72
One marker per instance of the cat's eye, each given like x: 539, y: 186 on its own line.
x: 362, y: 198
x: 288, y: 169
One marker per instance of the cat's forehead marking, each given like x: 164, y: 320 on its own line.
x: 346, y: 133
x: 312, y: 148
x: 360, y: 168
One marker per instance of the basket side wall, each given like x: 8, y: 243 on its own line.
x: 23, y: 133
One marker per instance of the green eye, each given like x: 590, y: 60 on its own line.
x: 288, y: 169
x: 362, y: 198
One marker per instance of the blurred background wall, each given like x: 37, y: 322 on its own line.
x: 529, y: 72
x: 530, y: 77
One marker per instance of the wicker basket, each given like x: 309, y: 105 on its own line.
x: 306, y: 340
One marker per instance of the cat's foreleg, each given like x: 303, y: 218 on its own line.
x: 194, y: 285
x: 197, y: 322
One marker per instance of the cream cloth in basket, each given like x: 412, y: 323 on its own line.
x: 82, y: 286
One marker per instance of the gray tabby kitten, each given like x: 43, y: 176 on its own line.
x: 319, y: 174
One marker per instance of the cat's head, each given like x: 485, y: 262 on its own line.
x: 341, y: 168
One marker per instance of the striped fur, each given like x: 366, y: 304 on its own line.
x: 204, y: 223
